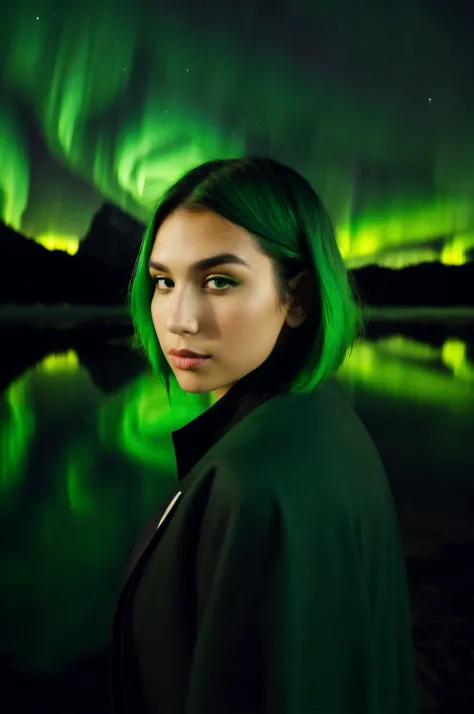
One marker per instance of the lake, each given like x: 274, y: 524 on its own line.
x: 86, y: 455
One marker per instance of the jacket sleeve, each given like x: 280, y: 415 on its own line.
x: 239, y: 545
x: 284, y: 614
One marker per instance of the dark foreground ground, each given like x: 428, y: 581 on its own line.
x: 442, y: 589
x: 441, y: 581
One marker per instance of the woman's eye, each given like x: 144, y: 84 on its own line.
x: 222, y: 282
x: 157, y: 281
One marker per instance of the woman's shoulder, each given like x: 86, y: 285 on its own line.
x: 286, y: 419
x: 293, y: 435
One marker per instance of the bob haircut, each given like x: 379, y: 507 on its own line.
x: 282, y: 212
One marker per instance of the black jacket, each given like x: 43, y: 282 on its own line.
x: 272, y: 579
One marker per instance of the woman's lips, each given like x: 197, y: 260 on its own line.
x: 187, y: 353
x: 188, y: 362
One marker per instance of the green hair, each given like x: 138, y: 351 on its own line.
x: 281, y: 210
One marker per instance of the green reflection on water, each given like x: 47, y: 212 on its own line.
x: 81, y: 471
x: 413, y: 372
x: 16, y: 431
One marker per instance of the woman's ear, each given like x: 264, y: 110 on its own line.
x: 298, y: 309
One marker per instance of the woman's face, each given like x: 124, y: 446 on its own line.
x: 227, y: 310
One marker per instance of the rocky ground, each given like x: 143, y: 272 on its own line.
x: 439, y: 555
x: 442, y: 593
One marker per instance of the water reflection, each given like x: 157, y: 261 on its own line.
x: 86, y: 455
x: 414, y: 371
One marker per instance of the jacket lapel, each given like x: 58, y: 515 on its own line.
x: 168, y: 509
x: 155, y: 523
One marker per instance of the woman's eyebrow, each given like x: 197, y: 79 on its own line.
x: 205, y: 263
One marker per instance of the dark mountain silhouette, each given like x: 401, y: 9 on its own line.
x: 99, y: 274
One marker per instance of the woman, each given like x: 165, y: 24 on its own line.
x: 272, y: 579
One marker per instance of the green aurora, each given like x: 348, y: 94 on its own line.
x: 113, y: 102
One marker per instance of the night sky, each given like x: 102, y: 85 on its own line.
x: 373, y: 101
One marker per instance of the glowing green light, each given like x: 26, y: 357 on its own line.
x: 162, y: 144
x: 127, y: 112
x: 112, y: 459
x: 138, y: 421
x: 14, y: 170
x: 16, y: 430
x: 455, y: 251
x: 68, y: 245
x: 387, y: 367
x: 414, y: 223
